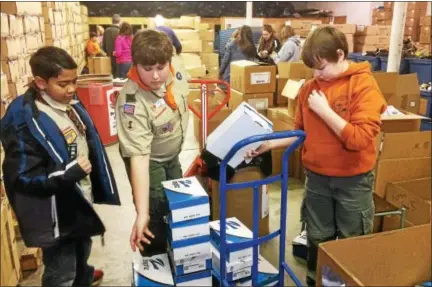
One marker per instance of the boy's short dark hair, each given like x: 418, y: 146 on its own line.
x: 93, y: 34
x: 49, y: 61
x: 150, y: 47
x: 323, y: 43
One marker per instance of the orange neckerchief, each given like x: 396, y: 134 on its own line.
x: 169, y: 96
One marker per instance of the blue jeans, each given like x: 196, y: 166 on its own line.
x: 123, y: 69
x: 66, y: 263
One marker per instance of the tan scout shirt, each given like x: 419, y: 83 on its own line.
x: 147, y: 125
x: 57, y: 112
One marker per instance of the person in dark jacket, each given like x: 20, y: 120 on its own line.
x: 55, y: 168
x: 268, y: 43
x: 242, y: 48
x: 108, y: 42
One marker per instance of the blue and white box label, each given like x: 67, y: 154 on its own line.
x: 234, y: 271
x: 181, y: 255
x: 190, y: 229
x: 187, y: 199
x: 236, y: 232
x: 152, y: 271
x: 195, y: 265
x: 268, y: 275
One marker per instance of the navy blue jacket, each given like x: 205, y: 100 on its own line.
x: 42, y: 181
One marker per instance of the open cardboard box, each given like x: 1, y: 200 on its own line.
x: 402, y: 156
x: 394, y: 258
x: 415, y: 196
x: 408, y: 122
x: 400, y: 91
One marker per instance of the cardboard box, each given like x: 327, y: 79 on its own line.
x: 391, y: 223
x: 145, y: 273
x: 385, y: 14
x: 402, y: 156
x: 191, y: 59
x: 207, y: 47
x: 192, y: 46
x: 374, y: 20
x: 11, y: 69
x: 367, y: 40
x: 415, y: 196
x: 384, y: 30
x: 362, y: 261
x: 4, y: 86
x: 346, y: 28
x: 411, y: 31
x: 242, y: 123
x: 367, y: 30
x: 425, y: 35
x: 417, y: 5
x: 21, y: 8
x: 212, y: 72
x: 16, y: 25
x: 412, y: 22
x: 187, y: 35
x: 207, y: 35
x: 407, y: 122
x: 381, y: 205
x: 197, y: 72
x: 212, y: 124
x: 189, y: 22
x: 237, y: 232
x: 296, y: 24
x: 303, y: 32
x: 235, y: 270
x: 10, y: 48
x: 99, y: 65
x: 182, y: 195
x: 260, y: 101
x: 291, y: 91
x: 31, y: 24
x: 240, y: 202
x: 425, y: 21
x: 400, y: 91
x: 294, y: 70
x: 415, y: 13
x: 4, y: 27
x: 210, y: 59
x: 388, y: 5
x: 383, y: 41
x: 10, y: 264
x: 280, y: 100
x: 249, y: 77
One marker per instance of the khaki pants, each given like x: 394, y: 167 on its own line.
x: 159, y: 172
x: 336, y: 207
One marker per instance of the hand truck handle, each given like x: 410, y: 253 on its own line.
x: 204, y: 93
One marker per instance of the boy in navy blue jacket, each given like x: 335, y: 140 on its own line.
x: 55, y: 168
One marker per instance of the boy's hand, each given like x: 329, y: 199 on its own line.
x: 318, y: 102
x: 265, y: 147
x: 140, y: 232
x: 85, y: 164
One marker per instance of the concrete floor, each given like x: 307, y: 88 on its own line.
x: 115, y: 257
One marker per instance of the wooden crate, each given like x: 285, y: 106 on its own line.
x: 31, y: 259
x: 10, y: 264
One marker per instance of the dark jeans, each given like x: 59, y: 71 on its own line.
x: 123, y: 69
x: 114, y: 67
x: 66, y: 263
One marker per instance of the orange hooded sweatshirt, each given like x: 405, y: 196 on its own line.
x: 354, y: 96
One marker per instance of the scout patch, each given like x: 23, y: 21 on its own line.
x: 130, y: 98
x: 73, y: 150
x: 159, y: 103
x: 130, y: 125
x: 70, y: 135
x: 179, y: 76
x: 168, y: 127
x: 129, y: 109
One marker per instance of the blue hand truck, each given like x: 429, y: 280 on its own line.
x: 256, y: 241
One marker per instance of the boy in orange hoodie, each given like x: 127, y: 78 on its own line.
x: 340, y: 112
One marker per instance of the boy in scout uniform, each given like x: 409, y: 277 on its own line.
x: 55, y: 168
x: 152, y: 115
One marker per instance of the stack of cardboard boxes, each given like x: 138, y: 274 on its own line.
x: 303, y: 27
x: 252, y: 83
x: 425, y: 33
x: 369, y: 38
x: 20, y: 37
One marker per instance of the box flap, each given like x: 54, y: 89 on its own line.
x: 292, y: 88
x: 406, y: 145
x: 244, y: 63
x: 421, y: 187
